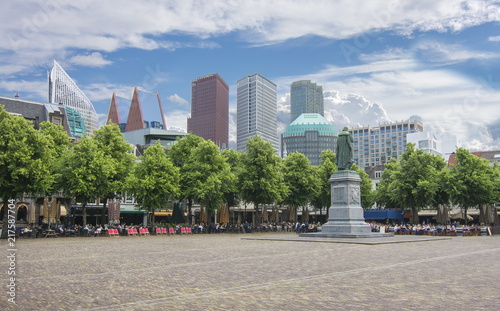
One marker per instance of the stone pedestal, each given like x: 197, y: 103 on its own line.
x: 345, y: 216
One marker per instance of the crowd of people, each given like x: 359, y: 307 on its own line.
x: 431, y: 229
x: 212, y: 228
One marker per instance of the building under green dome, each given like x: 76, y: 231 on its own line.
x: 309, y: 134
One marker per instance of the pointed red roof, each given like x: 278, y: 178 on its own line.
x: 135, y: 120
x: 113, y: 115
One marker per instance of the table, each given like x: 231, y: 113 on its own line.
x: 50, y: 232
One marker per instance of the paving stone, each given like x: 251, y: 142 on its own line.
x: 226, y: 272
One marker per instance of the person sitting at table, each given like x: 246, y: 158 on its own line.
x: 97, y: 231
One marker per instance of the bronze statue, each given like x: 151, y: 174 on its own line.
x: 344, y: 150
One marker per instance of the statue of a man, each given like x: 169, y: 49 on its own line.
x: 344, y: 150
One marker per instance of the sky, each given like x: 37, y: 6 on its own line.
x: 378, y: 60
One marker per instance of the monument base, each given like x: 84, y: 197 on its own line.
x: 346, y: 235
x: 346, y: 219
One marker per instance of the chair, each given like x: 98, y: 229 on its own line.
x: 189, y: 231
x: 158, y: 231
x: 113, y: 232
x: 171, y: 231
x: 163, y: 230
x: 183, y: 230
x: 132, y: 232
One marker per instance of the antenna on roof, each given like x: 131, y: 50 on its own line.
x: 16, y: 95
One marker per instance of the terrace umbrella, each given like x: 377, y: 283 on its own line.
x: 223, y: 214
x: 177, y: 217
x: 203, y: 215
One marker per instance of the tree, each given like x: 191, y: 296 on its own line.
x: 300, y: 179
x: 367, y: 195
x: 417, y: 183
x: 24, y: 161
x: 473, y: 181
x: 59, y: 141
x: 234, y: 159
x: 154, y: 180
x: 260, y: 178
x: 324, y: 171
x: 110, y: 141
x: 179, y: 153
x: 209, y: 175
x: 84, y: 171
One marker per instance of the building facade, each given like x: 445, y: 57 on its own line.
x: 426, y: 141
x: 377, y: 145
x: 309, y: 134
x: 210, y: 109
x: 306, y: 97
x: 63, y: 90
x: 257, y: 111
x: 36, y: 112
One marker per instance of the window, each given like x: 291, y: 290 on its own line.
x: 57, y: 120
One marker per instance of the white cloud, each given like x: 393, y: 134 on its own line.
x: 98, y: 26
x: 104, y: 91
x: 35, y: 90
x: 177, y: 99
x: 177, y: 120
x: 94, y: 59
x: 494, y: 39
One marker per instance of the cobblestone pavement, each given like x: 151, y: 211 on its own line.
x: 224, y: 272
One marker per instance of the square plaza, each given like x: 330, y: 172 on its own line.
x: 227, y: 272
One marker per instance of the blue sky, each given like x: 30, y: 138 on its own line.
x: 377, y: 60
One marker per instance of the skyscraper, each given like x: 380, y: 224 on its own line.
x: 63, y: 90
x: 306, y: 97
x: 257, y: 110
x: 210, y: 109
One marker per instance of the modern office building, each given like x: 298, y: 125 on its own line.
x: 257, y: 111
x: 63, y: 90
x: 377, y: 145
x: 309, y: 134
x: 210, y: 109
x: 426, y: 141
x: 306, y: 97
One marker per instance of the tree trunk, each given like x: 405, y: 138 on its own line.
x: 104, y: 212
x: 257, y: 214
x: 5, y: 217
x: 496, y: 221
x: 265, y: 214
x: 190, y: 206
x: 84, y: 213
x: 414, y: 217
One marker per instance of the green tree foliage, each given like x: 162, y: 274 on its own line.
x: 234, y: 159
x: 25, y: 164
x: 209, y: 175
x: 154, y: 180
x: 300, y: 179
x: 261, y: 181
x: 418, y: 181
x: 472, y: 181
x: 179, y: 153
x: 110, y: 141
x: 58, y: 139
x: 367, y: 194
x: 84, y: 171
